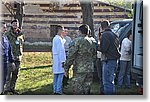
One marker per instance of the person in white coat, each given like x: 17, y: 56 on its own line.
x: 125, y: 61
x: 59, y: 57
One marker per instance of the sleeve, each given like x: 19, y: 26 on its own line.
x: 73, y: 50
x: 22, y: 39
x: 104, y: 44
x: 127, y: 45
x: 10, y: 54
x: 95, y: 52
x: 20, y: 32
x: 54, y: 47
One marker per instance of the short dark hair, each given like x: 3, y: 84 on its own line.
x: 59, y: 27
x: 15, y: 20
x: 129, y: 33
x: 84, y: 29
x: 105, y: 24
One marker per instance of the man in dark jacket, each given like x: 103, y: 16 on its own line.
x: 109, y: 46
x: 16, y: 39
x: 6, y: 54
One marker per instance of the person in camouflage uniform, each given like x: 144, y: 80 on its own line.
x: 82, y: 53
x: 15, y: 37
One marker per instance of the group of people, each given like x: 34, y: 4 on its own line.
x: 82, y: 52
x: 11, y: 44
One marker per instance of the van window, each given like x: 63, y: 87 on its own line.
x: 141, y: 12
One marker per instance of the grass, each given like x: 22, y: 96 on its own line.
x: 36, y: 78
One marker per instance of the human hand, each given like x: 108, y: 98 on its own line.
x: 66, y: 74
x: 13, y: 66
x: 63, y: 64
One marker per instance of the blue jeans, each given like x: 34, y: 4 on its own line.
x: 108, y: 70
x: 58, y: 83
x: 4, y: 74
x: 5, y: 70
x: 124, y: 73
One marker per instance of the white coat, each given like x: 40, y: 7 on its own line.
x: 58, y: 53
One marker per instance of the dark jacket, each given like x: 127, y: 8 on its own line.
x: 16, y: 41
x: 6, y: 50
x: 109, y: 45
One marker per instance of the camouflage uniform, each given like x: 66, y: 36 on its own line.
x: 82, y: 53
x: 16, y: 41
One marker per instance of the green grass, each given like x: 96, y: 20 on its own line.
x: 36, y: 78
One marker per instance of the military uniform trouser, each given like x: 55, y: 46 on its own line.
x: 12, y: 77
x: 65, y: 78
x: 80, y: 84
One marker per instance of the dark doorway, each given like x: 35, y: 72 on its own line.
x: 52, y: 31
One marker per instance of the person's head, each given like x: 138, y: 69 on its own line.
x: 105, y: 25
x: 15, y: 24
x: 60, y: 30
x: 65, y: 32
x: 3, y: 27
x: 129, y: 35
x: 84, y: 29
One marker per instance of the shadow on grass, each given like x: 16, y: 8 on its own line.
x: 43, y: 90
x: 36, y: 67
x: 48, y: 90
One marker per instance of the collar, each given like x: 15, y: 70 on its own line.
x: 82, y: 35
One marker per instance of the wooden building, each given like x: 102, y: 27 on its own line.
x: 41, y: 17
